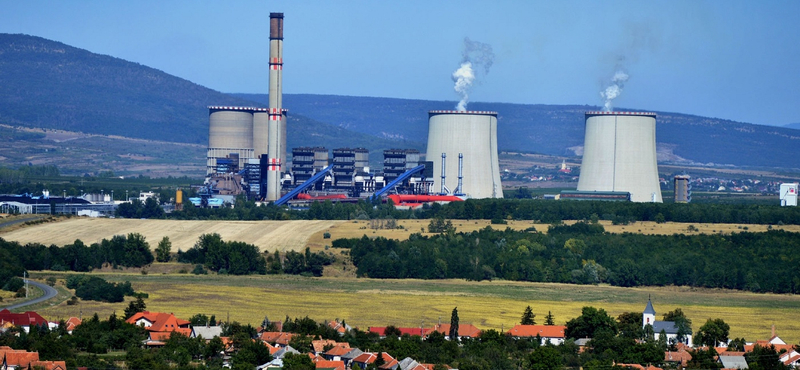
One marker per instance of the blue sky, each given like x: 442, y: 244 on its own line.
x: 736, y: 60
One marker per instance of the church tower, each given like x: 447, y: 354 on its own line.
x: 649, y: 314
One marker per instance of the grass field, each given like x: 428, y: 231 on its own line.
x: 488, y: 305
x: 370, y: 302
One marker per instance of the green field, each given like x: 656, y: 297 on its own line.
x: 488, y: 305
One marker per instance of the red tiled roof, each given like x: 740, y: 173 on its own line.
x: 72, y: 323
x: 335, y: 325
x: 464, y: 330
x: 681, y: 355
x: 325, y: 364
x: 545, y: 331
x: 276, y: 337
x: 369, y: 357
x: 159, y: 321
x: 338, y: 351
x: 22, y: 319
x: 19, y: 358
x: 640, y: 367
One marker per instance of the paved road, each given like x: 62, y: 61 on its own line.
x: 4, y: 223
x: 49, y: 292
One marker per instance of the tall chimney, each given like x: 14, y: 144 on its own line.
x: 275, y: 152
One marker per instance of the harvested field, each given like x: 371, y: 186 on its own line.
x: 266, y: 235
x: 487, y: 304
x: 297, y: 235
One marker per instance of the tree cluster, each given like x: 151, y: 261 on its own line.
x: 236, y: 258
x: 128, y: 251
x: 136, y: 209
x: 583, y: 254
x: 93, y: 288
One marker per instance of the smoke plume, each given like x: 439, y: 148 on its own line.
x: 475, y: 54
x: 613, y: 90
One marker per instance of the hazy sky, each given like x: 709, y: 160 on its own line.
x: 737, y: 60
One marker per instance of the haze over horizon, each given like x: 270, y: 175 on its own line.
x: 734, y: 60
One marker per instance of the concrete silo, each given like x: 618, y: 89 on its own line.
x: 230, y: 131
x: 619, y: 155
x: 473, y: 136
x: 260, y: 132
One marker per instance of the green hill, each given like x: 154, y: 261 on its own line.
x: 50, y: 85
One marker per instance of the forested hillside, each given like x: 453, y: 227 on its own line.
x: 48, y: 84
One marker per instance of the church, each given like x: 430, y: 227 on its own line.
x: 668, y: 327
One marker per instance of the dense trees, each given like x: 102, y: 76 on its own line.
x: 503, y: 209
x: 582, y: 253
x: 98, y: 289
x: 712, y: 333
x: 236, y: 258
x: 590, y: 324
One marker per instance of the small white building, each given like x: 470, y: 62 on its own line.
x: 788, y: 194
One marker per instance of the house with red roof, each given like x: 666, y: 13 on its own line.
x: 548, y: 333
x: 464, y: 330
x: 72, y: 323
x: 13, y: 359
x: 160, y: 326
x: 23, y: 320
x: 323, y: 364
x: 340, y: 326
x: 368, y: 358
x: 788, y: 355
x: 277, y: 338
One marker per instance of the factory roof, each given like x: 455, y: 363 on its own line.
x: 604, y: 113
x: 245, y: 109
x: 462, y: 112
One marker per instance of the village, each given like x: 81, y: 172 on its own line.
x: 203, y: 342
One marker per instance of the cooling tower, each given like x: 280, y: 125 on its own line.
x: 619, y: 154
x: 474, y: 135
x: 230, y: 131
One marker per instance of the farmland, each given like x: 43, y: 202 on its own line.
x: 296, y: 235
x: 487, y: 304
x: 372, y: 302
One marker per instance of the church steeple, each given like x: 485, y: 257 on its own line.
x: 649, y: 314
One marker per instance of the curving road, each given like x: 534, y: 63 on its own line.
x: 49, y: 292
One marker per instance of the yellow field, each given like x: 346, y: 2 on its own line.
x: 488, y: 305
x: 267, y: 235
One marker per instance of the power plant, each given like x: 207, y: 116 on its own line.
x: 619, y: 156
x: 463, y: 148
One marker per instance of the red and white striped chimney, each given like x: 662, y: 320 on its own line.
x: 275, y: 150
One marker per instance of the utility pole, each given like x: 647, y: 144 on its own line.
x: 25, y: 278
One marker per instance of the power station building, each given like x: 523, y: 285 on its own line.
x: 683, y: 189
x: 463, y: 148
x: 619, y: 155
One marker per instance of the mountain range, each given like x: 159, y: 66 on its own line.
x: 50, y: 85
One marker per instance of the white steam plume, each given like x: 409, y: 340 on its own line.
x: 613, y: 90
x: 475, y: 54
x: 463, y: 78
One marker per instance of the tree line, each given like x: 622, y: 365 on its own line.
x: 584, y: 254
x: 545, y: 211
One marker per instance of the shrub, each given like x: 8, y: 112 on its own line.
x: 326, y: 235
x: 199, y: 270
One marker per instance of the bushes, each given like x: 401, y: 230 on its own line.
x: 94, y: 288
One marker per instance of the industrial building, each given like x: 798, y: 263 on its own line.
x: 683, y: 189
x: 788, y: 194
x: 463, y: 148
x: 306, y: 161
x: 619, y: 155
